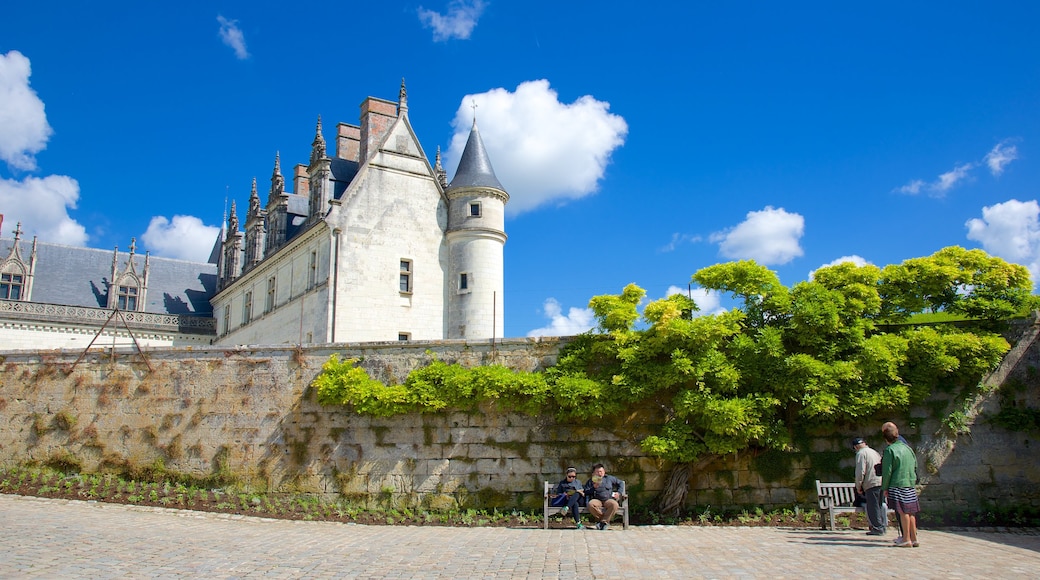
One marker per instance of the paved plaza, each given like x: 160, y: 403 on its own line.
x: 44, y: 538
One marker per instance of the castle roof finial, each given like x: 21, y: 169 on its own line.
x: 18, y: 231
x: 402, y: 99
x: 133, y: 247
x: 318, y: 146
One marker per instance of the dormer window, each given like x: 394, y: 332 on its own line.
x: 127, y: 298
x: 11, y: 286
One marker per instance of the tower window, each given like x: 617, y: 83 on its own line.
x: 403, y: 336
x: 465, y: 282
x: 127, y: 298
x: 406, y: 276
x: 474, y: 209
x: 11, y: 286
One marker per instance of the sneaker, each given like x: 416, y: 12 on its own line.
x: 601, y: 526
x: 916, y: 544
x: 875, y: 533
x: 579, y: 526
x: 906, y: 544
x: 898, y: 540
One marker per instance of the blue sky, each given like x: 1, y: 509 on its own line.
x: 639, y: 143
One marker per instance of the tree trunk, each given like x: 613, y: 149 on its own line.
x: 673, y: 496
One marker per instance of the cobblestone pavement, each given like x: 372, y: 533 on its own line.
x: 43, y: 538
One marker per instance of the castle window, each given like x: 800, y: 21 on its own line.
x: 11, y: 286
x: 312, y: 271
x: 272, y: 285
x: 403, y: 336
x: 247, y: 308
x: 227, y: 319
x: 406, y: 276
x: 127, y: 298
x: 465, y: 282
x: 474, y: 209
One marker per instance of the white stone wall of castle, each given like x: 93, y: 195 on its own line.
x: 393, y: 212
x: 299, y: 312
x: 16, y: 335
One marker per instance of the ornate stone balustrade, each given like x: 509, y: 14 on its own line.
x: 60, y: 313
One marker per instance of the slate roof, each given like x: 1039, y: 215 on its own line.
x: 78, y: 276
x: 475, y: 168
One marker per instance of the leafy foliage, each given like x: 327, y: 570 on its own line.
x: 812, y: 354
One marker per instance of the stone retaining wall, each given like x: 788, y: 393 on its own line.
x: 248, y: 413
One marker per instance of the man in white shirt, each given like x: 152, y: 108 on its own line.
x: 868, y: 483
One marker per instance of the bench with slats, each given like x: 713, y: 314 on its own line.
x: 837, y: 498
x: 550, y: 510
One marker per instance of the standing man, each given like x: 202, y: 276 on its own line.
x: 868, y: 484
x: 602, y: 492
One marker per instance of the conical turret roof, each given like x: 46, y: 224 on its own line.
x: 475, y: 168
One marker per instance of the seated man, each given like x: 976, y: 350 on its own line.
x: 569, y: 493
x: 602, y: 493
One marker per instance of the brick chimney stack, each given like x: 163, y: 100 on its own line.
x: 376, y: 117
x: 348, y: 141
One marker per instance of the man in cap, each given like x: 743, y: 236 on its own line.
x: 868, y: 483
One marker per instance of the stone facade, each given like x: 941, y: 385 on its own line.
x: 372, y: 244
x: 248, y: 412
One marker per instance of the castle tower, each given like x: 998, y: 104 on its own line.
x: 476, y: 239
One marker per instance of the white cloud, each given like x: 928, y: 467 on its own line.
x: 24, y: 124
x: 232, y: 36
x: 184, y: 238
x: 997, y: 159
x: 577, y: 320
x: 459, y: 22
x: 677, y: 240
x: 951, y: 178
x: 708, y: 301
x: 542, y: 150
x: 1010, y: 230
x: 769, y: 237
x: 912, y: 188
x: 40, y: 205
x: 1000, y: 156
x: 853, y: 258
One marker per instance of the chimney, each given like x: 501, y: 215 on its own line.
x: 301, y: 183
x: 376, y: 117
x: 348, y: 141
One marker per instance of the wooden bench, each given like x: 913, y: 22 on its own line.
x: 836, y: 498
x: 549, y: 510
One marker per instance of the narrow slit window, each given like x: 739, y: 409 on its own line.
x: 406, y: 276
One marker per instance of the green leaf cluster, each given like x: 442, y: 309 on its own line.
x: 822, y: 352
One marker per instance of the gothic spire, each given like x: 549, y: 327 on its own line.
x: 438, y: 170
x: 318, y: 146
x: 402, y: 99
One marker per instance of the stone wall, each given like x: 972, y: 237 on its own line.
x: 248, y: 413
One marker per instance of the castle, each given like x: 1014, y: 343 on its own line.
x: 371, y: 244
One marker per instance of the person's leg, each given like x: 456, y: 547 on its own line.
x: 572, y: 503
x: 912, y: 528
x: 610, y: 507
x: 596, y: 509
x: 875, y: 510
x: 904, y: 520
